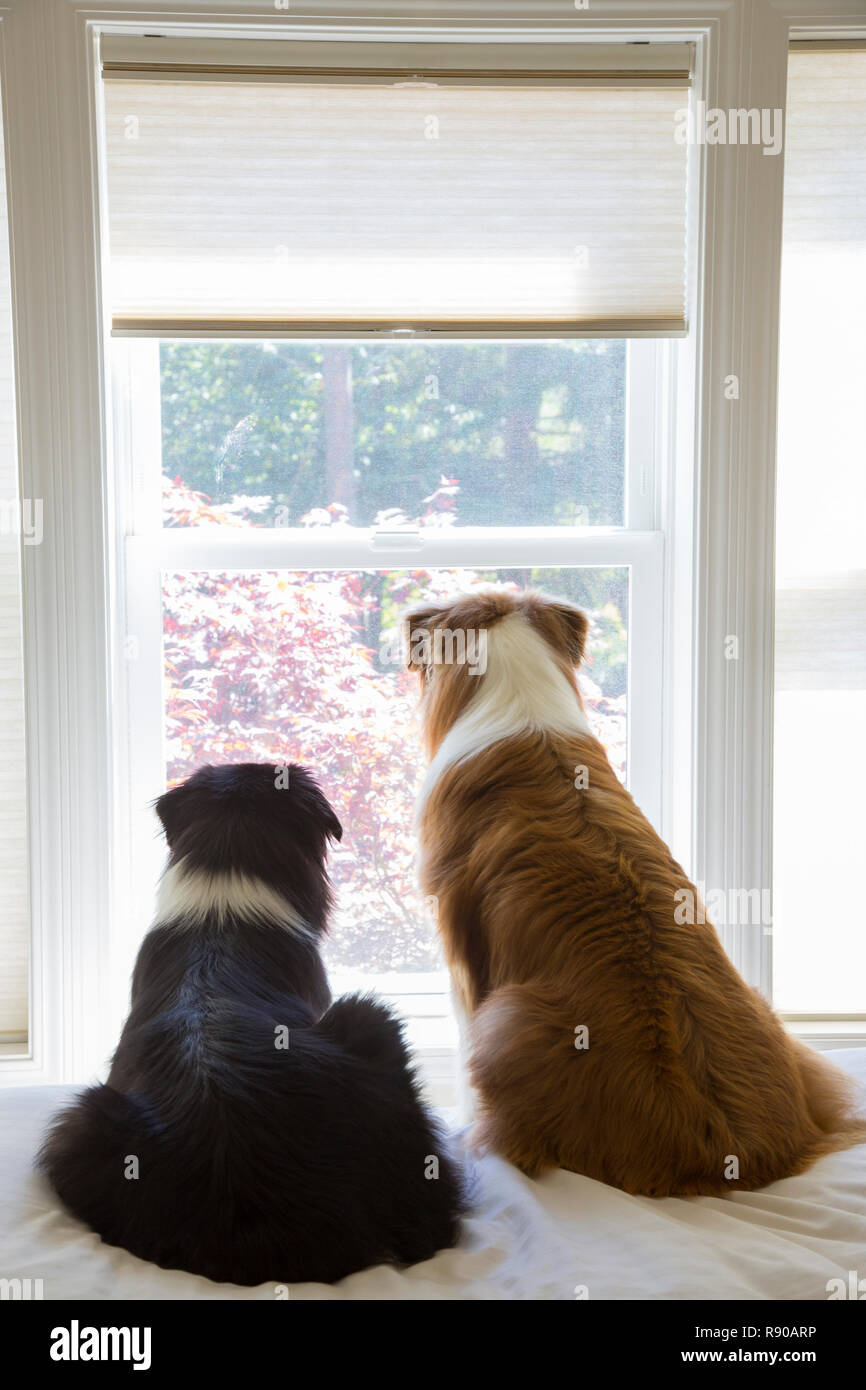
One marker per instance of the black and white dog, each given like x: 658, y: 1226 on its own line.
x: 250, y: 1130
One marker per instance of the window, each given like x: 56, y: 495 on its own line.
x: 284, y: 493
x: 693, y: 538
x: 260, y: 623
x: 20, y: 524
x: 820, y: 718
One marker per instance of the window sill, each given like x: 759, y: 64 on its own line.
x: 828, y: 1033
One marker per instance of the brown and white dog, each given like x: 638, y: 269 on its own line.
x: 607, y: 1037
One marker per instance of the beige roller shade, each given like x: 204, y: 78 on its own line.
x: 307, y: 202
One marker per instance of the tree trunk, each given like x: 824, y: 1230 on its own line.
x: 522, y: 464
x: 339, y: 426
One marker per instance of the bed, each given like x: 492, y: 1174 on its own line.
x: 560, y: 1238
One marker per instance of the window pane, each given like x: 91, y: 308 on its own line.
x: 20, y: 521
x: 819, y: 945
x: 304, y: 667
x: 432, y: 434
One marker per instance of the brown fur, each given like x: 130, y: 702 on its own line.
x: 556, y: 910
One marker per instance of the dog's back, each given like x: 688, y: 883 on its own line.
x: 248, y: 1132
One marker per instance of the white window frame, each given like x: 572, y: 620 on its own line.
x: 719, y: 579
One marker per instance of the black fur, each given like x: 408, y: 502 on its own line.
x: 256, y: 1163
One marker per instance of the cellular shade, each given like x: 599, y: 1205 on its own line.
x: 313, y: 202
x: 14, y: 903
x: 819, y: 947
x: 825, y: 159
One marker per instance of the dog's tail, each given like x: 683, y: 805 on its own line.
x: 94, y: 1149
x: 832, y: 1100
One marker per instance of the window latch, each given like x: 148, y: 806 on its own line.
x: 397, y: 538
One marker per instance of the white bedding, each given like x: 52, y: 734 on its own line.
x: 560, y: 1238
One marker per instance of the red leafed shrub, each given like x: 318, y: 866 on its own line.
x: 281, y: 667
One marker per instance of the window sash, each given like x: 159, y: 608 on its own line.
x: 649, y: 410
x: 141, y: 762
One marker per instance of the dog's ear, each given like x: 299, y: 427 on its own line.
x: 173, y: 811
x: 416, y: 633
x: 561, y: 623
x: 309, y: 796
x: 332, y: 825
x: 327, y: 817
x: 575, y: 626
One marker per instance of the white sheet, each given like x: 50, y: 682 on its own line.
x: 552, y: 1239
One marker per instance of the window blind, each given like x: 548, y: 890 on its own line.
x: 825, y: 160
x: 820, y: 645
x: 14, y: 915
x: 467, y: 198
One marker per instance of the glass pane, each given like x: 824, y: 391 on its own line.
x: 289, y: 666
x: 20, y: 524
x: 819, y: 945
x: 432, y: 434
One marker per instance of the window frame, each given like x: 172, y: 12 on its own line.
x: 719, y: 572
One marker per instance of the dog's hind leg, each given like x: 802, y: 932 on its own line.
x: 415, y: 1194
x: 521, y: 1053
x: 365, y: 1027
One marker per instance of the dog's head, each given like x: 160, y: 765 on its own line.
x: 265, y: 821
x: 494, y: 636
